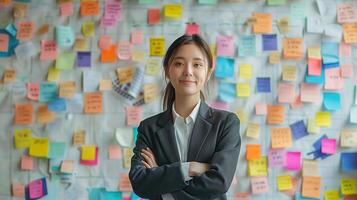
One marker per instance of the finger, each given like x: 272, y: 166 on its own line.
x: 145, y: 164
x: 149, y: 153
x: 147, y: 159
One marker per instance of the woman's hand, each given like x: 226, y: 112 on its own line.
x: 197, y: 168
x: 149, y: 158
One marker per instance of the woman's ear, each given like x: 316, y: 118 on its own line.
x: 209, y: 73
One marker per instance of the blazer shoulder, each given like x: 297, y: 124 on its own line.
x: 224, y: 115
x: 152, y: 121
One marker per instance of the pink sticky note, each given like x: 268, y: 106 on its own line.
x: 114, y: 152
x: 36, y: 189
x: 261, y: 109
x: 124, y: 50
x: 67, y: 166
x: 225, y: 45
x: 48, y: 50
x: 328, y: 146
x: 259, y: 185
x: 133, y: 115
x: 66, y: 9
x: 219, y: 105
x: 4, y: 42
x: 314, y: 67
x: 192, y: 28
x: 26, y: 163
x: 286, y: 92
x: 296, y: 103
x: 346, y: 70
x: 33, y: 91
x: 241, y: 196
x: 18, y: 190
x: 105, y: 41
x: 310, y: 93
x: 345, y: 49
x: 276, y: 157
x: 293, y: 160
x: 137, y: 37
x: 91, y: 162
x: 333, y: 79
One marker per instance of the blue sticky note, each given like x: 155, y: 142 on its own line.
x: 263, y: 84
x: 298, y: 129
x: 11, y: 29
x: 48, y: 92
x: 332, y: 101
x: 207, y: 1
x: 57, y: 105
x: 330, y: 54
x: 12, y: 43
x: 83, y: 59
x: 96, y: 193
x: 353, y: 114
x: 57, y: 150
x: 227, y: 92
x: 270, y: 42
x: 348, y: 161
x: 64, y: 36
x: 224, y: 67
x: 109, y: 195
x: 316, y: 79
x: 246, y: 46
x: 299, y: 197
x: 135, y: 133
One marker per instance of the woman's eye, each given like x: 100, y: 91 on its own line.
x: 197, y: 65
x: 178, y: 64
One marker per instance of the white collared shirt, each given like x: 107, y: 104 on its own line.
x: 183, y: 130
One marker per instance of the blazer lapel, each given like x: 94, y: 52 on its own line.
x: 200, y: 131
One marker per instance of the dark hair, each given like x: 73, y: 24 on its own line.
x: 169, y: 95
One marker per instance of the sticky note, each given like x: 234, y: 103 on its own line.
x: 173, y: 11
x: 245, y: 71
x: 22, y: 138
x: 333, y: 79
x: 125, y: 74
x: 252, y: 151
x: 192, y: 28
x: 65, y: 61
x: 264, y: 23
x: 128, y: 154
x: 297, y: 11
x: 43, y: 29
x: 263, y: 84
x: 88, y: 152
x: 346, y: 70
x: 53, y: 74
x: 289, y: 73
x: 152, y: 67
x: 270, y: 42
x: 105, y: 85
x: 353, y: 115
x: 293, y: 160
x: 253, y: 130
x: 345, y: 49
x: 125, y: 50
x: 90, y: 81
x: 18, y: 190
x: 328, y: 146
x: 258, y: 167
x: 224, y: 67
x: 138, y: 55
x: 153, y: 16
x: 67, y: 166
x: 48, y: 50
x: 348, y: 161
x: 332, y: 101
x: 157, y: 46
x: 286, y: 92
x: 348, y: 186
x: 88, y: 29
x: 89, y: 8
x: 83, y: 59
x: 27, y: 163
x: 311, y: 186
x: 67, y: 89
x: 243, y: 89
x: 227, y: 92
x: 284, y: 182
x: 323, y: 119
x: 225, y: 45
x: 350, y: 33
x: 346, y: 13
x: 4, y: 42
x: 66, y: 9
x: 105, y: 41
x: 280, y: 137
x: 23, y: 114
x: 81, y: 44
x: 274, y: 58
x: 124, y: 183
x: 261, y: 109
x: 298, y: 129
x: 39, y: 147
x: 348, y: 137
x: 259, y: 185
x: 37, y: 188
x: 331, y: 195
x: 276, y: 157
x: 5, y: 3
x: 330, y: 54
x: 151, y: 91
x: 24, y: 31
x: 57, y: 150
x: 79, y: 137
x: 9, y: 75
x: 114, y: 152
x: 64, y: 36
x: 133, y: 115
x: 293, y: 48
x: 207, y: 2
x: 93, y: 102
x: 310, y: 93
x: 310, y: 167
x: 136, y: 37
x: 312, y: 127
x: 276, y: 114
x: 44, y: 115
x: 246, y: 46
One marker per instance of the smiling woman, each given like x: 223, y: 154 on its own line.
x: 189, y: 151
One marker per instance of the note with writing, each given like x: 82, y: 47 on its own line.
x: 276, y: 157
x: 65, y: 61
x: 151, y: 91
x: 172, y: 11
x: 18, y: 190
x: 23, y: 114
x: 293, y: 48
x: 245, y: 71
x: 259, y: 185
x: 88, y: 29
x: 48, y: 50
x: 22, y: 138
x: 348, y: 137
x: 89, y: 8
x: 4, y: 42
x: 225, y: 45
x: 310, y: 167
x: 125, y: 50
x: 289, y: 73
x: 39, y: 147
x: 24, y: 31
x: 280, y: 137
x: 44, y: 115
x: 311, y: 186
x: 27, y: 163
x: 263, y: 24
x: 67, y: 89
x: 133, y: 115
x: 258, y: 167
x: 253, y: 130
x: 261, y: 109
x: 246, y: 46
x: 243, y: 89
x: 93, y: 102
x: 348, y: 186
x: 276, y: 114
x: 157, y: 46
x: 284, y: 182
x: 346, y: 13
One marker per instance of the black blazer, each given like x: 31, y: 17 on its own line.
x: 214, y: 139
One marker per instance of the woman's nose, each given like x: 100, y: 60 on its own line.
x: 188, y: 70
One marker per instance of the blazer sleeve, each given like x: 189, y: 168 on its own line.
x: 149, y: 183
x: 216, y: 181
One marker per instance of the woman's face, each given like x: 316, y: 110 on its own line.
x: 188, y: 71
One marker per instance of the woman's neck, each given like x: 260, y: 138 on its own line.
x: 185, y: 104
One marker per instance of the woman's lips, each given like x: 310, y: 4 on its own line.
x: 187, y: 81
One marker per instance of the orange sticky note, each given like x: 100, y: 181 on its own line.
x: 350, y: 33
x: 89, y: 8
x: 44, y: 115
x: 124, y: 184
x: 241, y: 196
x: 67, y: 89
x: 114, y: 152
x: 18, y: 190
x: 4, y: 42
x: 26, y: 163
x: 133, y: 115
x: 24, y: 31
x: 67, y: 166
x: 105, y: 85
x: 79, y: 137
x: 253, y: 151
x: 109, y: 55
x: 43, y: 29
x: 93, y: 102
x: 293, y: 48
x: 23, y: 114
x: 9, y: 75
x: 20, y: 10
x: 48, y: 50
x: 311, y: 186
x: 280, y: 137
x: 259, y: 185
x: 153, y: 16
x: 125, y: 75
x: 263, y: 24
x: 276, y: 114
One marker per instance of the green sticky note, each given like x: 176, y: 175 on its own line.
x: 207, y: 1
x: 65, y: 60
x: 147, y: 1
x: 57, y: 150
x: 275, y: 2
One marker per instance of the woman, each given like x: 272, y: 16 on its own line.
x: 189, y: 151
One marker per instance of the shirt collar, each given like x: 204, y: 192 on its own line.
x: 192, y: 117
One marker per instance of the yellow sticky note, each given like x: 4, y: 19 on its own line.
x: 138, y: 56
x: 67, y: 89
x: 151, y: 91
x: 289, y: 73
x: 173, y: 11
x: 323, y: 119
x: 348, y: 186
x: 53, y: 74
x: 128, y: 153
x: 88, y: 152
x: 23, y: 138
x: 243, y: 89
x: 88, y: 29
x: 125, y: 74
x: 331, y: 195
x: 245, y: 71
x: 284, y: 182
x: 274, y: 57
x: 312, y: 127
x: 350, y: 33
x: 39, y: 147
x: 9, y: 74
x: 258, y: 167
x: 253, y: 130
x: 105, y: 85
x: 157, y: 46
x: 152, y: 67
x: 242, y: 115
x: 81, y: 44
x: 314, y: 52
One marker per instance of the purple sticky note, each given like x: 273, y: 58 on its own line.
x: 328, y: 146
x: 83, y: 59
x: 270, y: 42
x: 293, y: 160
x: 276, y: 157
x: 298, y: 129
x: 263, y: 84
